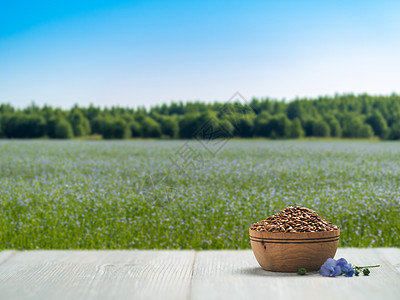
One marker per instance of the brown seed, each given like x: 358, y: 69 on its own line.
x: 294, y: 219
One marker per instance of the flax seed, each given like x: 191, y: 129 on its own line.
x: 294, y: 219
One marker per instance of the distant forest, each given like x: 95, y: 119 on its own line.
x: 347, y: 116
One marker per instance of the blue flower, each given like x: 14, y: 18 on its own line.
x: 330, y: 268
x: 345, y: 267
x: 341, y: 262
x: 348, y: 271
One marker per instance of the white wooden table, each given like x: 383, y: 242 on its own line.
x: 230, y: 275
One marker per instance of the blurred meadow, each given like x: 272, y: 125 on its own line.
x: 135, y: 194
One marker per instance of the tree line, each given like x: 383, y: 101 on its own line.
x: 347, y: 116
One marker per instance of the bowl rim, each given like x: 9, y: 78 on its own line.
x: 301, y: 232
x: 294, y: 237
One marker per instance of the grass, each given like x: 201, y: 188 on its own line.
x: 130, y: 194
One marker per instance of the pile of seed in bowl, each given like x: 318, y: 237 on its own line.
x: 294, y: 219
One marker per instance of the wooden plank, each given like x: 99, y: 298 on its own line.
x: 237, y: 275
x: 391, y: 256
x: 97, y: 275
x: 168, y: 274
x: 6, y: 254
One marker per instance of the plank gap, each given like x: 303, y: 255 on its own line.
x: 191, y: 276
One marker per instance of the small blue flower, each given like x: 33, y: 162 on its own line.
x: 330, y: 268
x: 341, y: 262
x: 348, y: 271
x: 345, y: 267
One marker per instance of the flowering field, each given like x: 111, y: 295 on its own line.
x: 121, y: 195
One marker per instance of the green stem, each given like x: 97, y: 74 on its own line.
x: 365, y: 267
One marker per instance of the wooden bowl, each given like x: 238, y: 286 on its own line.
x: 289, y: 251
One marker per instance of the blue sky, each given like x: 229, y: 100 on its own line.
x: 133, y: 53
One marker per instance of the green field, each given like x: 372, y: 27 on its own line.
x: 130, y: 194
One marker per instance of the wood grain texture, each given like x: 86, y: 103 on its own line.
x: 186, y: 275
x: 391, y: 257
x: 289, y: 251
x: 4, y: 255
x: 237, y: 275
x: 97, y: 275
